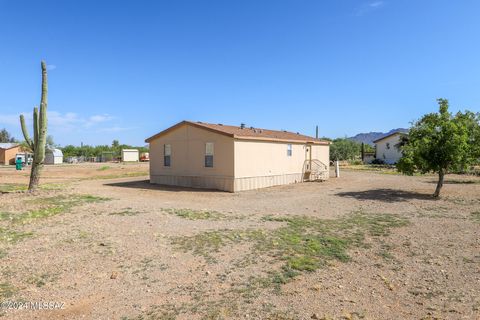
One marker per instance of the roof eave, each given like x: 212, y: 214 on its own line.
x: 390, y: 135
x: 185, y: 122
x: 280, y: 140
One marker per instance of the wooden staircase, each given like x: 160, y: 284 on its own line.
x: 314, y: 170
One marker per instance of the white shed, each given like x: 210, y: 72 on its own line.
x: 130, y: 155
x: 53, y: 156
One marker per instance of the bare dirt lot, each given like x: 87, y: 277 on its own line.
x: 105, y: 244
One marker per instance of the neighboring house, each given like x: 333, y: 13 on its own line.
x: 130, y: 155
x: 53, y: 156
x: 231, y: 158
x: 386, y: 150
x: 8, y: 152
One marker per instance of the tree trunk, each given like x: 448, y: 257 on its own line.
x: 34, y: 177
x: 441, y: 175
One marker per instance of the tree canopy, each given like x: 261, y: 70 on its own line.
x: 441, y: 143
x: 344, y: 149
x: 5, y: 136
x: 96, y: 151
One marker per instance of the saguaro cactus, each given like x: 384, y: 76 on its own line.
x: 39, y: 133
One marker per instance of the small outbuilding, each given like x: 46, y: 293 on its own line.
x: 53, y: 156
x: 8, y: 152
x: 130, y: 155
x: 234, y: 158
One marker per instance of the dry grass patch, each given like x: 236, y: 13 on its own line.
x: 12, y: 236
x: 18, y: 187
x: 49, y: 206
x: 191, y: 214
x: 125, y: 212
x: 40, y: 280
x: 304, y: 244
x: 6, y: 290
x: 475, y: 216
x: 117, y: 176
x: 299, y: 245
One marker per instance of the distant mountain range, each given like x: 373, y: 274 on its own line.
x: 369, y: 137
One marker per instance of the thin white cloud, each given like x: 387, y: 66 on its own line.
x: 51, y: 67
x: 9, y: 119
x: 115, y: 129
x: 98, y: 118
x: 376, y: 4
x: 69, y: 121
x: 368, y: 7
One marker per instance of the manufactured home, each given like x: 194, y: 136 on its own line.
x: 234, y: 158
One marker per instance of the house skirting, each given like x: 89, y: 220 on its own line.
x: 226, y: 183
x: 208, y: 182
x: 250, y: 183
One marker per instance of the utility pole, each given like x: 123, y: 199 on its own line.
x: 316, y: 132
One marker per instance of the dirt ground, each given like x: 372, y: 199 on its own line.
x: 103, y: 243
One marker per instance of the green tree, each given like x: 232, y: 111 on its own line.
x: 441, y: 143
x: 50, y: 142
x: 5, y: 136
x: 344, y: 149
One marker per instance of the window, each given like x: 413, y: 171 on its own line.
x: 167, y: 153
x: 209, y: 155
x: 289, y: 150
x: 388, y: 145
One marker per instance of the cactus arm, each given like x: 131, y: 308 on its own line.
x: 35, y: 126
x: 25, y: 132
x: 44, y: 97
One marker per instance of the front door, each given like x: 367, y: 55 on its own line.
x: 308, y: 155
x: 308, y: 162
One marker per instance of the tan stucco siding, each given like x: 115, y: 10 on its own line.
x: 322, y: 153
x: 7, y: 156
x: 187, y: 166
x: 262, y: 164
x: 386, y: 150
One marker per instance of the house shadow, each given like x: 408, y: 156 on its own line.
x: 146, y: 185
x: 385, y: 195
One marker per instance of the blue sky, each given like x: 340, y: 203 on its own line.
x: 128, y: 69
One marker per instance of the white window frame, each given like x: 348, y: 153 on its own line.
x: 209, y: 154
x: 289, y: 150
x: 165, y: 155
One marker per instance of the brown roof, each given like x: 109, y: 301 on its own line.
x: 246, y: 133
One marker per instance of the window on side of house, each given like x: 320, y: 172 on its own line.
x: 167, y: 154
x: 289, y: 150
x: 209, y: 155
x: 388, y: 145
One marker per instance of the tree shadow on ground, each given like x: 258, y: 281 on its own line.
x: 457, y: 182
x: 386, y: 195
x: 146, y: 185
